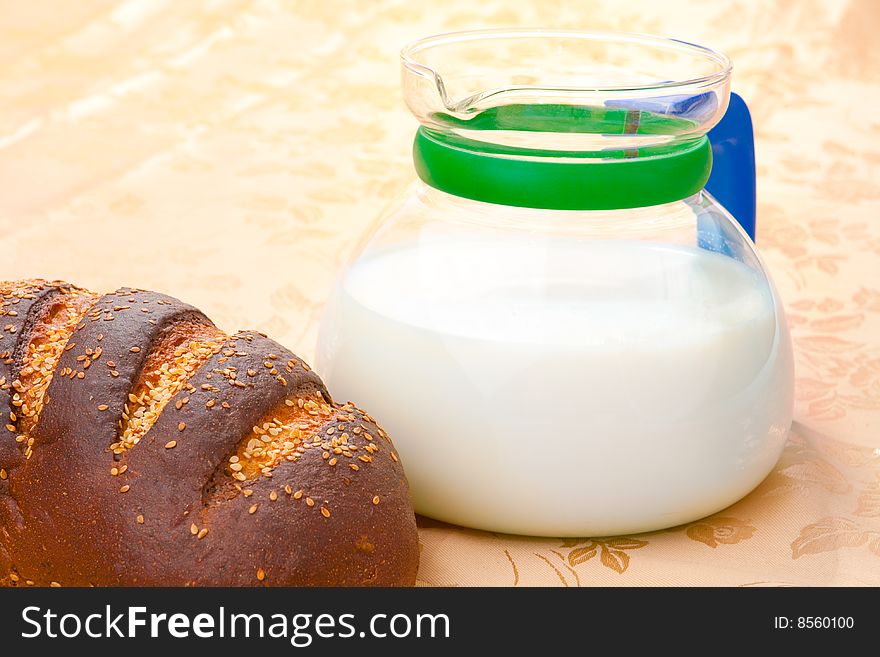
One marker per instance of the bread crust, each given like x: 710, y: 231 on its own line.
x: 175, y: 508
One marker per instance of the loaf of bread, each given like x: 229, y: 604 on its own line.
x: 145, y: 447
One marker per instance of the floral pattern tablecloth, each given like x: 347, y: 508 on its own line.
x: 154, y: 143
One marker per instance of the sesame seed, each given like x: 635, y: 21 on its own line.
x: 354, y: 466
x: 247, y: 492
x: 203, y: 533
x: 125, y: 488
x: 273, y: 496
x: 135, y: 350
x: 114, y: 471
x: 332, y: 461
x: 298, y: 494
x: 375, y: 499
x: 325, y: 512
x: 261, y: 574
x: 310, y: 501
x: 253, y: 509
x: 193, y: 529
x: 55, y: 585
x: 181, y: 426
x: 103, y: 407
x: 171, y: 444
x: 140, y: 520
x: 288, y: 490
x: 3, y: 474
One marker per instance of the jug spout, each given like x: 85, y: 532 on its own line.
x: 604, y: 91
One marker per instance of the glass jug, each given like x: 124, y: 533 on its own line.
x: 562, y: 331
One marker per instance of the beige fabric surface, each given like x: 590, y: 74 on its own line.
x: 232, y: 153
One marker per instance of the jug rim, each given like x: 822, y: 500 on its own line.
x: 410, y: 60
x: 564, y: 119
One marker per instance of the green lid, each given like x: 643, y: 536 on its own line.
x: 558, y: 179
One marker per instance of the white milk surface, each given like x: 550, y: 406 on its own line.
x: 540, y: 386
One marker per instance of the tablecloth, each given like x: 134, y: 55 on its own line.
x: 154, y: 143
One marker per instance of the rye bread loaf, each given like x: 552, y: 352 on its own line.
x: 143, y: 446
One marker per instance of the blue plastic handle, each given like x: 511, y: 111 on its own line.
x: 732, y: 180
